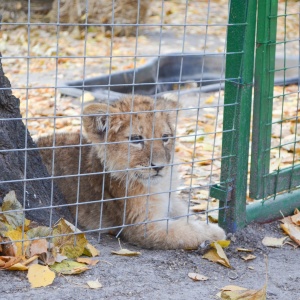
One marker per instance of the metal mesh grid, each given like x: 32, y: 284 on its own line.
x: 278, y: 143
x: 39, y: 57
x: 286, y: 98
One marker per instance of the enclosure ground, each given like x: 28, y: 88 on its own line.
x: 164, y: 274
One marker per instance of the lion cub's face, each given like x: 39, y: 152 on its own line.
x: 134, y: 142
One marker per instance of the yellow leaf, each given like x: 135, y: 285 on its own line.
x: 126, y: 252
x: 90, y: 250
x: 197, y: 277
x: 18, y: 267
x: 222, y: 243
x: 26, y: 224
x: 69, y: 244
x: 95, y: 284
x: 273, y: 242
x: 212, y: 255
x: 87, y: 261
x: 209, y: 100
x: 222, y: 254
x: 69, y: 267
x: 39, y: 276
x: 16, y: 235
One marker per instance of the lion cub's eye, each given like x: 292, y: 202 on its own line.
x: 136, y: 139
x: 165, y: 138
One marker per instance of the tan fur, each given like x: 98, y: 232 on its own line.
x: 124, y: 172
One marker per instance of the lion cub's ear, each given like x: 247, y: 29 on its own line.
x: 96, y: 120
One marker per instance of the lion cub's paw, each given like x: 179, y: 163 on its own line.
x: 215, y: 232
x: 210, y: 232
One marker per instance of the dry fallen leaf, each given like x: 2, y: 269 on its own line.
x: 87, y: 261
x: 38, y: 247
x: 8, y: 248
x: 233, y: 288
x: 239, y: 293
x: 90, y: 250
x: 290, y: 226
x: 244, y: 250
x: 17, y: 235
x: 39, y: 232
x: 94, y: 284
x: 12, y: 210
x: 197, y: 277
x: 222, y: 243
x: 212, y: 219
x: 40, y: 276
x: 69, y: 267
x: 292, y: 230
x: 273, y: 242
x: 199, y: 207
x: 126, y: 252
x: 18, y: 267
x: 217, y: 255
x: 8, y: 261
x: 69, y: 244
x: 296, y: 217
x: 248, y: 257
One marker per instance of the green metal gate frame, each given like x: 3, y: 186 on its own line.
x: 245, y: 17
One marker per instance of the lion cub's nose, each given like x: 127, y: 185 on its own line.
x: 156, y: 168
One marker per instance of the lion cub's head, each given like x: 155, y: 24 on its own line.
x: 134, y: 137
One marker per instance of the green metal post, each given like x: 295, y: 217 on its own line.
x: 263, y: 97
x: 237, y: 114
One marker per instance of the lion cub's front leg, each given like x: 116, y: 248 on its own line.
x: 177, y: 234
x: 183, y: 233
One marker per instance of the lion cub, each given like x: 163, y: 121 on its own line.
x: 119, y: 176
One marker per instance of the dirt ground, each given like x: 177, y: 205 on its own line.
x: 164, y: 274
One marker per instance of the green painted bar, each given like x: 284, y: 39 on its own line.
x: 269, y: 210
x: 263, y: 97
x: 237, y: 113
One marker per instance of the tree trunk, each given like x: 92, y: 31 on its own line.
x: 20, y: 164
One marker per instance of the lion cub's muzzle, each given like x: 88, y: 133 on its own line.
x: 157, y: 168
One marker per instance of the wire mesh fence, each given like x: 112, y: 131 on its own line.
x: 68, y: 65
x: 275, y: 158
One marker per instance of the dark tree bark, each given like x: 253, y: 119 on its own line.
x: 16, y: 147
